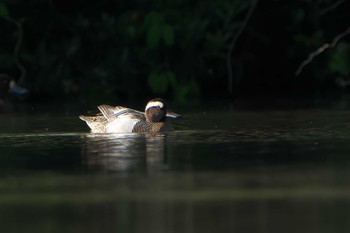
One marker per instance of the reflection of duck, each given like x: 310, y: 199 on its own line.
x: 124, y: 152
x: 125, y: 120
x: 8, y: 86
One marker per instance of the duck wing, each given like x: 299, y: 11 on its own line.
x: 97, y: 124
x: 111, y: 113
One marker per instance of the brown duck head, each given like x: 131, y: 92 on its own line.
x: 157, y: 110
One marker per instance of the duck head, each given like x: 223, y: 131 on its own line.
x: 157, y: 110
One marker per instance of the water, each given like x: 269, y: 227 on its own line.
x: 220, y: 171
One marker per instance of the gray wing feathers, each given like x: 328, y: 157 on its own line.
x: 107, y: 111
x: 110, y: 112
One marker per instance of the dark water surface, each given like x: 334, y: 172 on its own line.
x: 229, y: 171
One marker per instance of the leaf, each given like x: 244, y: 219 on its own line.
x: 158, y: 82
x: 185, y: 92
x: 339, y: 59
x: 153, y: 36
x: 3, y: 10
x: 154, y: 25
x: 181, y: 92
x: 152, y: 18
x: 72, y: 47
x: 171, y: 77
x: 168, y: 35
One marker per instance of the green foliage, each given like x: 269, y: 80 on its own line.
x: 3, y: 10
x: 160, y: 81
x: 186, y: 42
x: 340, y: 59
x: 107, y: 49
x: 169, y: 46
x: 185, y: 91
x: 157, y: 30
x: 168, y: 35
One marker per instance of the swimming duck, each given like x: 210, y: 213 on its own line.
x: 9, y: 86
x: 125, y: 120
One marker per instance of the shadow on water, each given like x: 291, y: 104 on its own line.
x: 263, y: 171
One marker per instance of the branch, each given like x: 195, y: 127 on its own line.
x: 233, y: 44
x: 331, y: 7
x: 18, y: 63
x: 321, y: 49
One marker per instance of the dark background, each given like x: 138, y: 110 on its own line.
x: 110, y: 50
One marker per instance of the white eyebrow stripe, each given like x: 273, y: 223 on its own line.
x: 154, y: 104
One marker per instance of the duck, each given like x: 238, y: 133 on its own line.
x: 121, y: 119
x: 8, y: 87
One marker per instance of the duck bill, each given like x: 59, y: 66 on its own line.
x: 171, y: 114
x: 16, y: 89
